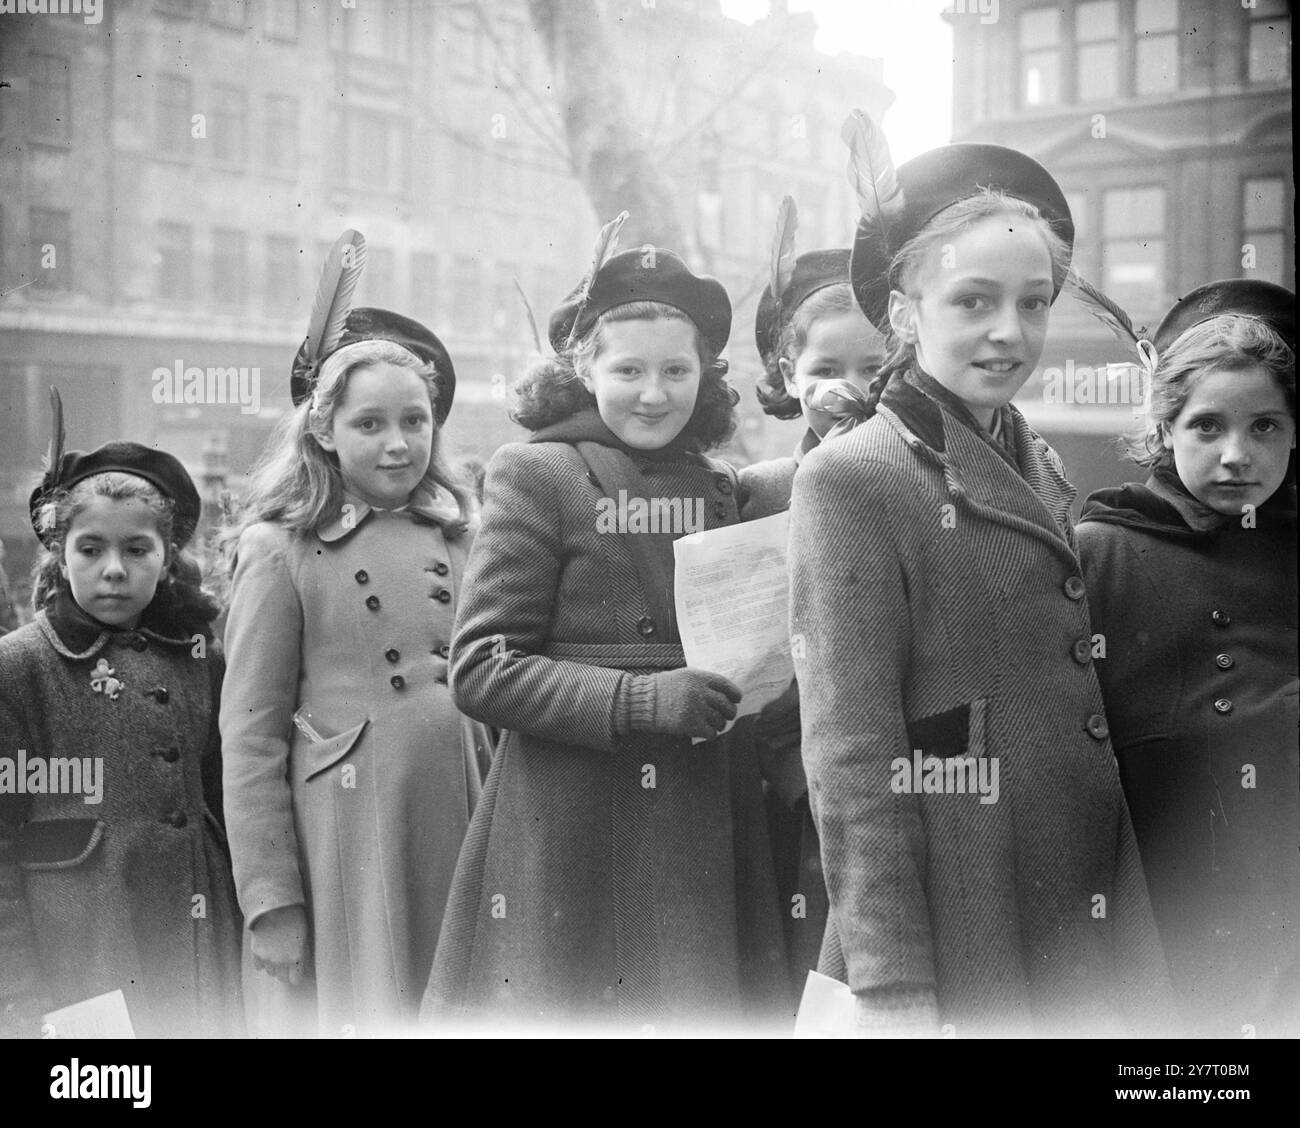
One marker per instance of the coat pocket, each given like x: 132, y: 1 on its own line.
x: 53, y: 844
x: 954, y: 732
x: 325, y: 754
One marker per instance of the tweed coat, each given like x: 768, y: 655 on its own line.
x: 350, y: 628
x: 1200, y: 682
x: 936, y: 591
x: 606, y: 879
x: 133, y: 891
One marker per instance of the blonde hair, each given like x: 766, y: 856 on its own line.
x: 297, y: 482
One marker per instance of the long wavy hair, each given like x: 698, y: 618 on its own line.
x: 297, y: 483
x: 551, y: 388
x: 181, y: 582
x: 829, y: 301
x: 1228, y: 343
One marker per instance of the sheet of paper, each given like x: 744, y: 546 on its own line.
x: 732, y: 597
x: 826, y: 1009
x: 104, y: 1016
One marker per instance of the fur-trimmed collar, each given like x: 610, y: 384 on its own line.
x: 76, y: 634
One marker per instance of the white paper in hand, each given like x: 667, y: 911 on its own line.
x: 732, y: 593
x: 826, y: 1009
x: 104, y: 1016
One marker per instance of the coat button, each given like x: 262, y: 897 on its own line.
x: 646, y: 625
x: 439, y: 568
x: 444, y: 651
x: 1082, y: 650
x: 362, y: 577
x: 392, y: 655
x: 723, y: 483
x: 177, y: 819
x: 1223, y: 705
x: 1074, y: 587
x: 372, y: 601
x: 442, y: 595
x: 1097, y: 727
x: 1224, y: 661
x: 139, y: 642
x: 1221, y: 618
x: 397, y: 681
x: 160, y: 694
x: 720, y: 509
x: 172, y: 755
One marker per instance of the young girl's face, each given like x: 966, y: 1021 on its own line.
x: 645, y: 378
x: 382, y: 432
x: 843, y: 346
x: 979, y: 319
x: 1232, y: 439
x: 113, y: 559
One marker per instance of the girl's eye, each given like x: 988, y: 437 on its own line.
x: 679, y: 371
x: 971, y: 302
x: 415, y: 420
x: 366, y: 424
x: 1205, y: 426
x: 89, y: 550
x: 1035, y: 305
x: 1266, y: 426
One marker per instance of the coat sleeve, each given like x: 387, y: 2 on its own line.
x: 263, y: 653
x: 24, y: 995
x: 498, y: 671
x: 850, y: 630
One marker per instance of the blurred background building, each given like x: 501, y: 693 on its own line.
x: 175, y: 174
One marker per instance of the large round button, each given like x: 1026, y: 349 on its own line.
x: 442, y: 595
x: 440, y: 569
x: 1221, y: 618
x: 160, y: 694
x: 444, y: 651
x: 372, y: 601
x: 1224, y: 661
x: 392, y: 655
x: 171, y: 755
x: 139, y: 642
x: 177, y: 819
x: 1081, y: 651
x: 1223, y: 705
x: 397, y: 681
x: 1074, y: 587
x: 362, y: 577
x: 646, y: 625
x: 1097, y: 727
x: 723, y: 483
x: 720, y: 509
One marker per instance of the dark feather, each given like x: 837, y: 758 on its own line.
x: 1102, y: 308
x: 783, y: 256
x: 58, y: 435
x: 338, y: 282
x: 606, y: 245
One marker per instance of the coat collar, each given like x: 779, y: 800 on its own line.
x: 438, y: 508
x: 1019, y: 480
x: 75, y: 634
x: 807, y: 443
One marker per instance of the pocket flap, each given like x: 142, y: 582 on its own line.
x: 58, y: 843
x: 954, y: 732
x: 327, y: 753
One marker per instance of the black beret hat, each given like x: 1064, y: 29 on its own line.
x: 366, y: 324
x: 812, y: 272
x: 645, y: 274
x: 156, y: 467
x: 1274, y: 305
x: 934, y: 181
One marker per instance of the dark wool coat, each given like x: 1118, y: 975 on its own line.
x: 936, y: 591
x: 765, y: 489
x: 100, y: 896
x: 622, y: 880
x: 352, y: 625
x: 1199, y: 615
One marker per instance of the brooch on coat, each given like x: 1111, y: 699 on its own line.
x: 103, y: 681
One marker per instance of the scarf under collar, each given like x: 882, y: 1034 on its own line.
x: 586, y: 426
x: 166, y: 618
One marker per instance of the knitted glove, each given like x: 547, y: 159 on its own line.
x: 686, y: 702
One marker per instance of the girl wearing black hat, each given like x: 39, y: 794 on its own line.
x: 615, y: 873
x: 1191, y: 578
x: 113, y: 869
x: 982, y: 870
x: 350, y: 774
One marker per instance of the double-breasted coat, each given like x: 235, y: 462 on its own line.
x: 1200, y: 679
x: 942, y: 615
x: 130, y: 890
x: 357, y: 808
x: 608, y: 877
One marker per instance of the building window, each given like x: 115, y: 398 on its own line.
x: 1155, y: 22
x: 51, y: 100
x: 1269, y: 43
x: 229, y: 267
x: 172, y: 115
x: 1040, y: 57
x: 282, y: 289
x: 467, y: 174
x: 228, y: 124
x: 281, y: 18
x: 376, y: 150
x: 379, y: 32
x: 466, y: 302
x: 424, y: 285
x: 1096, y: 34
x: 229, y: 13
x: 51, y: 258
x: 281, y: 132
x: 1263, y: 228
x: 175, y: 262
x: 1133, y: 247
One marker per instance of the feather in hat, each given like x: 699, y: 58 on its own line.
x: 871, y: 171
x: 329, y: 311
x: 528, y: 313
x: 606, y: 244
x: 783, y: 256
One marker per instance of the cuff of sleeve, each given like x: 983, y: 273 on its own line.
x: 899, y: 1009
x: 634, y: 704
